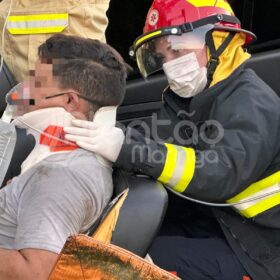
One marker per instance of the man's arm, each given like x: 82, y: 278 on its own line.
x: 26, y: 264
x: 51, y: 208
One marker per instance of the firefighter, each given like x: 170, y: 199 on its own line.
x: 28, y: 23
x: 217, y: 143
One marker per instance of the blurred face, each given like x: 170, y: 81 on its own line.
x: 42, y: 87
x: 41, y: 84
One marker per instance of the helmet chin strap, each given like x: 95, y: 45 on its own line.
x: 214, y: 59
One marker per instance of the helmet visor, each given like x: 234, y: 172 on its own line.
x: 153, y: 53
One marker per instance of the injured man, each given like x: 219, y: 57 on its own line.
x: 62, y: 189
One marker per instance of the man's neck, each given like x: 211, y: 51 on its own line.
x: 37, y: 121
x: 46, y: 125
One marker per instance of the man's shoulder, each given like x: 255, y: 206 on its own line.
x: 71, y: 168
x: 77, y: 170
x: 75, y: 159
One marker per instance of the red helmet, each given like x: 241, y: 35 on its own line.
x: 167, y: 13
x: 176, y: 17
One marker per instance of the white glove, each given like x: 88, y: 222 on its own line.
x: 105, y: 141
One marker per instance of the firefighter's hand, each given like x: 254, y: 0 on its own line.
x: 105, y: 141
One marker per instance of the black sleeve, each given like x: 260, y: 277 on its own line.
x: 250, y: 119
x: 141, y: 155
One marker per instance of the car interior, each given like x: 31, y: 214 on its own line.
x: 143, y: 211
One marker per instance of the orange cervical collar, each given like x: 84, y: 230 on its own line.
x: 54, y: 137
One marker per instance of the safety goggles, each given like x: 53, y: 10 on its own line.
x: 153, y: 54
x: 182, y: 39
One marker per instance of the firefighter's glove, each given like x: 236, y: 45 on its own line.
x: 103, y: 140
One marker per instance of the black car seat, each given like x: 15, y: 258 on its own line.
x: 142, y: 213
x: 24, y: 145
x: 267, y: 67
x: 22, y: 148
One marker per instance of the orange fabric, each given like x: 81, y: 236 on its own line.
x: 51, y: 136
x: 105, y: 229
x: 84, y: 258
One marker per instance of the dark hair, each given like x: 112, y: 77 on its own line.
x: 90, y: 67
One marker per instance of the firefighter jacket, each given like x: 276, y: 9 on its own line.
x: 221, y: 146
x: 32, y: 22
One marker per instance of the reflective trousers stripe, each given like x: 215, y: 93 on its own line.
x: 179, y: 167
x: 262, y: 187
x: 35, y: 24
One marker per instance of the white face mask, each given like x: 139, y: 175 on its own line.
x: 185, y: 77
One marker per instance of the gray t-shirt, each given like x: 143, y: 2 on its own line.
x: 61, y: 195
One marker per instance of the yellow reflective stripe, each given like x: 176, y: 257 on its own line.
x: 36, y: 24
x: 38, y: 30
x: 256, y: 197
x: 170, y: 164
x: 188, y: 171
x: 37, y: 17
x: 179, y: 167
x: 257, y: 187
x: 262, y: 206
x: 265, y: 186
x: 211, y: 3
x: 148, y: 36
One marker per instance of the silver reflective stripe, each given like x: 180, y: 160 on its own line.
x: 179, y: 168
x: 37, y: 23
x: 7, y: 144
x: 268, y: 190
